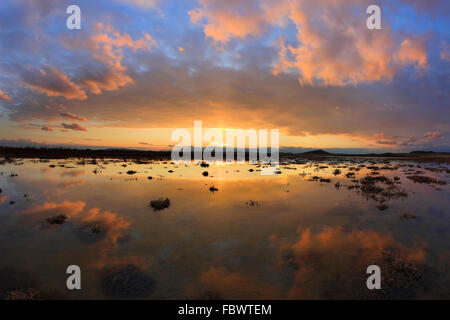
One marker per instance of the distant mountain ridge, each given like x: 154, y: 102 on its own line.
x: 421, y: 152
x: 319, y: 152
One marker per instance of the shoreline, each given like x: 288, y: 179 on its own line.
x: 126, y: 154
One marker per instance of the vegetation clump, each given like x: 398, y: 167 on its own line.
x: 382, y: 206
x: 160, y: 204
x: 252, y: 203
x: 425, y: 179
x: 58, y: 220
x: 204, y: 165
x: 337, y: 172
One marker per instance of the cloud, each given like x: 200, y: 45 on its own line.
x: 445, y: 52
x: 19, y: 143
x: 411, y: 141
x: 109, y: 80
x: 333, y: 45
x: 49, y: 209
x: 228, y: 19
x: 145, y: 4
x: 145, y: 143
x: 71, y: 184
x: 171, y: 94
x: 106, y: 46
x: 71, y: 116
x: 234, y: 285
x: 317, y: 259
x: 52, y: 82
x: 131, y: 84
x: 73, y: 126
x: 433, y: 135
x: 73, y: 173
x: 109, y: 224
x: 3, y: 198
x: 413, y: 52
x: 46, y: 128
x: 4, y: 96
x: 335, y: 49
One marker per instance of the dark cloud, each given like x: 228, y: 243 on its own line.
x: 73, y: 126
x: 46, y: 128
x: 71, y: 116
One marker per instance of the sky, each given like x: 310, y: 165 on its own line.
x: 137, y: 70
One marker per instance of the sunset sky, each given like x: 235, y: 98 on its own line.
x: 139, y: 69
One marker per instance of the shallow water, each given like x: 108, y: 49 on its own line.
x: 287, y: 236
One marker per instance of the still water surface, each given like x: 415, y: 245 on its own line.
x: 233, y: 234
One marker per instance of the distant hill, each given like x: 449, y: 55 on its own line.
x: 422, y: 152
x: 319, y: 152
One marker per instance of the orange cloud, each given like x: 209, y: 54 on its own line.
x: 104, y: 228
x: 67, y: 208
x: 333, y: 45
x: 109, y: 223
x: 3, y: 199
x: 106, y: 46
x: 332, y: 263
x: 53, y: 83
x: 4, y: 96
x: 227, y: 19
x: 108, y: 80
x: 413, y: 52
